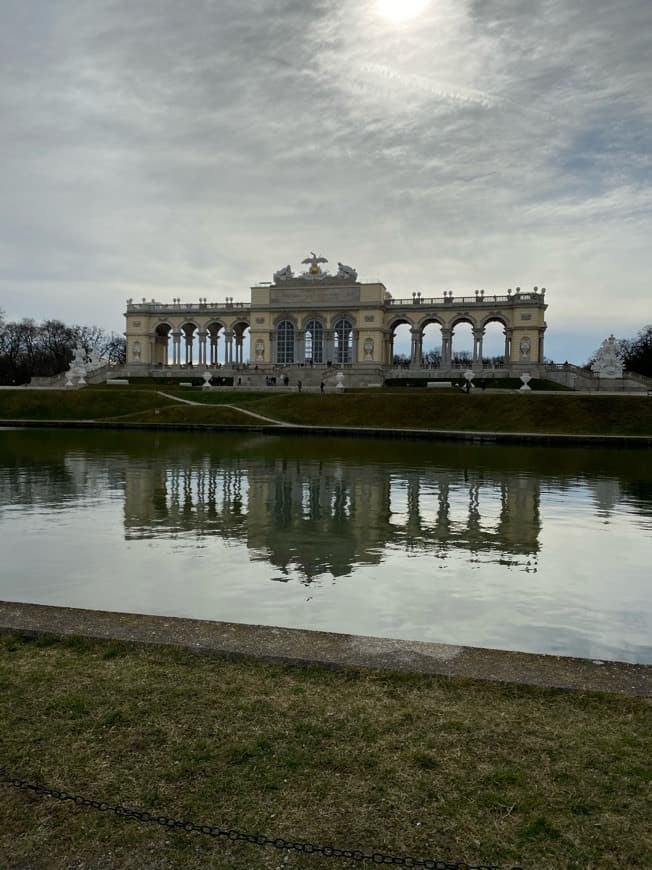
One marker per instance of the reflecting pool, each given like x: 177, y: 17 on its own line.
x: 522, y: 548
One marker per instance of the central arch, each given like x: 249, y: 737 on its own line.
x: 285, y: 335
x: 343, y: 341
x: 313, y: 342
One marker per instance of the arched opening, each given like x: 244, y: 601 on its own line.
x: 216, y: 341
x: 189, y: 349
x: 462, y: 344
x: 493, y: 345
x: 343, y: 342
x: 240, y: 346
x: 162, y: 348
x: 400, y: 343
x: 314, y: 343
x: 431, y: 345
x: 285, y: 342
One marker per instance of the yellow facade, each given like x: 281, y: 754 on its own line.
x: 333, y: 321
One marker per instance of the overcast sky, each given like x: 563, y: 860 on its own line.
x: 157, y: 148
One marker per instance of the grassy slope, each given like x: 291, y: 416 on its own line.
x: 488, y: 412
x: 493, y: 412
x: 435, y: 768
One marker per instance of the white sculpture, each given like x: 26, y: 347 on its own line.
x: 207, y: 380
x: 260, y: 351
x: 606, y: 363
x: 524, y: 348
x: 525, y: 379
x: 346, y: 272
x: 368, y: 349
x: 82, y: 363
x: 283, y: 274
x: 339, y: 382
x: 77, y: 368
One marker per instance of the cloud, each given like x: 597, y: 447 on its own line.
x: 191, y: 151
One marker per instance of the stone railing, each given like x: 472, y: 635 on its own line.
x: 157, y: 307
x: 642, y: 379
x: 478, y: 298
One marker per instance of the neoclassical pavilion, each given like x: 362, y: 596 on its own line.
x: 320, y: 320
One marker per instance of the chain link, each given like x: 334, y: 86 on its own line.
x: 233, y: 834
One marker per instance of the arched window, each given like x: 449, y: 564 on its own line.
x: 343, y: 340
x: 314, y: 342
x: 285, y: 342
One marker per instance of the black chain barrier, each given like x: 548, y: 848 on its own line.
x: 233, y: 834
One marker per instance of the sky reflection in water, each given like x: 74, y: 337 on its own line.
x: 542, y: 550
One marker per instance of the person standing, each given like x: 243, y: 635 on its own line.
x: 299, y: 385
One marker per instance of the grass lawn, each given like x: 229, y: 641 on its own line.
x: 400, y: 408
x: 432, y: 767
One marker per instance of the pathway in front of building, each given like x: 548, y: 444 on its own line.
x: 234, y: 407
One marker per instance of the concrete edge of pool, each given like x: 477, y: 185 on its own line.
x: 301, y: 647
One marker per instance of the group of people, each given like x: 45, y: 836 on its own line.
x: 270, y: 381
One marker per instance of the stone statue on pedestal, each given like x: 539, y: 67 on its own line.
x: 606, y: 363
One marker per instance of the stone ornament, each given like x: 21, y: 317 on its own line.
x: 315, y: 272
x: 368, y: 349
x: 283, y: 274
x: 346, y: 272
x: 525, y: 379
x: 606, y: 363
x: 525, y: 348
x: 260, y: 351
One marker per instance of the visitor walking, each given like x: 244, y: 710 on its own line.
x: 322, y: 387
x: 299, y: 385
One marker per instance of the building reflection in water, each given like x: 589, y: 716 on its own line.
x: 312, y: 518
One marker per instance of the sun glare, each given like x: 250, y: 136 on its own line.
x: 401, y: 10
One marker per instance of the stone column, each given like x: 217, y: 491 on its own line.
x: 329, y: 347
x: 152, y: 349
x: 214, y: 341
x: 202, y: 347
x: 228, y: 353
x: 189, y: 348
x: 413, y: 348
x: 176, y: 348
x: 508, y: 346
x: 300, y: 343
x: 446, y: 340
x: 477, y: 345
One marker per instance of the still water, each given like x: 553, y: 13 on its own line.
x: 536, y: 549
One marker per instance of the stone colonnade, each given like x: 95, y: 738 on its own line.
x: 417, y: 335
x: 190, y: 345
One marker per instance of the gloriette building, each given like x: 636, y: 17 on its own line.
x: 320, y: 322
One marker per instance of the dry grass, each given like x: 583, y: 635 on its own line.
x: 432, y: 767
x: 215, y: 415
